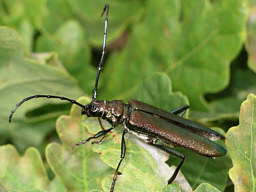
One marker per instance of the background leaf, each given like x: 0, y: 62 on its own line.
x: 154, y: 91
x: 22, y: 76
x: 206, y: 188
x: 25, y: 173
x: 251, y: 40
x: 241, y: 147
x: 85, y: 12
x: 226, y: 104
x: 69, y: 42
x: 23, y: 16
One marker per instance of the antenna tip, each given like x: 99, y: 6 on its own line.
x: 10, y: 118
x: 106, y: 8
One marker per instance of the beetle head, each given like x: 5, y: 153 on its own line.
x: 93, y: 109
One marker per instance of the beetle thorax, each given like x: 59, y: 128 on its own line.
x: 112, y: 111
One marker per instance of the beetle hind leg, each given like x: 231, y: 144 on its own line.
x: 123, y: 150
x: 181, y: 110
x: 175, y: 154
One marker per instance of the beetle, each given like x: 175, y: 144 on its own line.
x: 147, y: 122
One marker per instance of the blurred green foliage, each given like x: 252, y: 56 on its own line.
x: 165, y: 53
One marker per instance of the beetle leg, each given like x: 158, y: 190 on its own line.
x: 102, y: 127
x: 97, y: 135
x: 123, y: 150
x: 181, y: 110
x: 175, y: 154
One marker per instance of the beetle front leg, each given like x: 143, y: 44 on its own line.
x: 102, y: 127
x: 123, y: 150
x: 181, y: 110
x: 97, y: 135
x: 174, y: 153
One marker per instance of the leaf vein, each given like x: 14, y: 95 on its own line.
x: 192, y: 51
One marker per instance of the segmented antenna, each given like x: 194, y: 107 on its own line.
x: 38, y: 96
x: 94, y: 92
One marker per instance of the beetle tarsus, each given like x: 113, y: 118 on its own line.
x: 99, y: 142
x: 97, y: 135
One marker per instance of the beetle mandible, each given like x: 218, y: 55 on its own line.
x: 146, y: 122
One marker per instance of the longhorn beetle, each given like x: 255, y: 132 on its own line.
x: 147, y: 122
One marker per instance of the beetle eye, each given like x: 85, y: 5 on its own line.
x: 94, y: 108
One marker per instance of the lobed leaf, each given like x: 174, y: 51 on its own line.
x: 24, y: 16
x: 25, y: 173
x: 226, y: 104
x: 241, y: 147
x: 157, y: 91
x: 21, y: 77
x: 73, y: 49
x: 88, y: 14
x: 251, y: 40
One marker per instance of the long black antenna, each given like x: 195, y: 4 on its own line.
x: 94, y: 92
x: 38, y: 96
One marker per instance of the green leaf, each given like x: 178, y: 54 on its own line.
x: 157, y: 91
x: 56, y: 185
x: 241, y: 147
x: 69, y: 42
x: 33, y: 10
x: 204, y: 187
x: 79, y: 169
x: 226, y: 104
x: 24, y: 16
x: 193, y: 43
x: 251, y: 40
x: 88, y: 14
x: 171, y: 188
x: 25, y: 173
x: 20, y: 77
